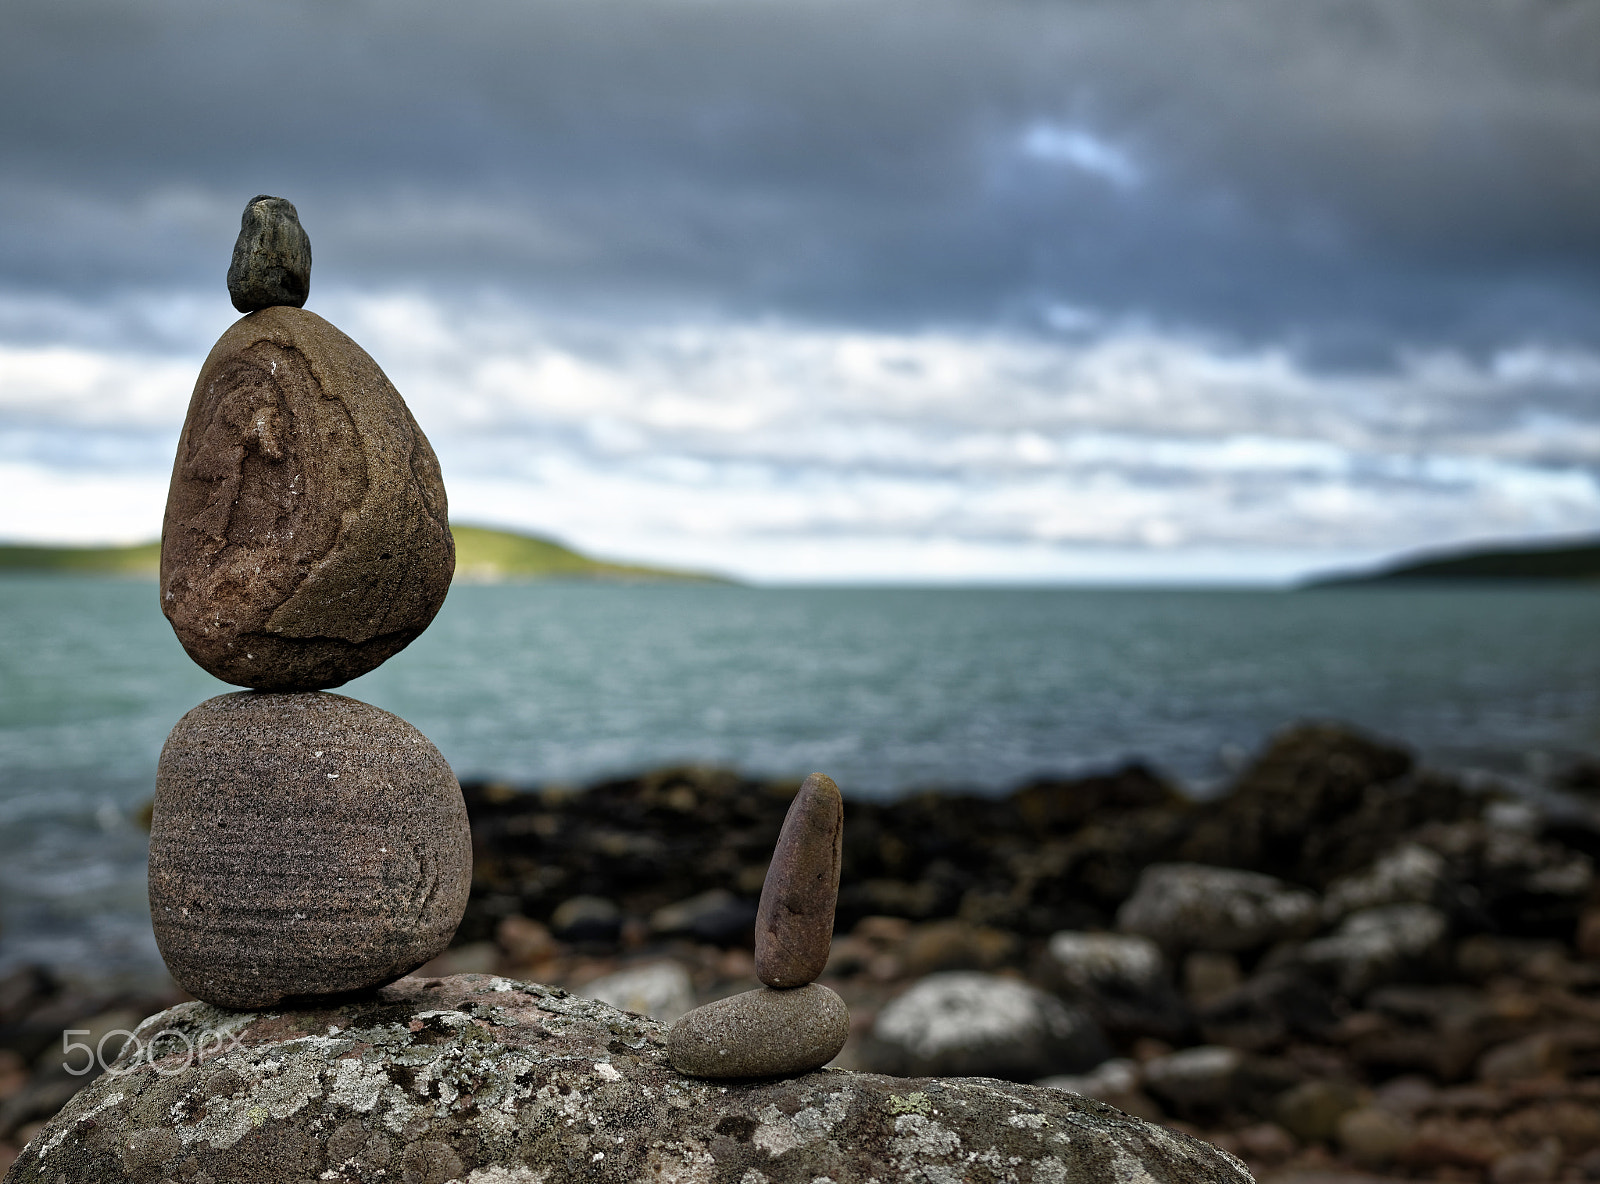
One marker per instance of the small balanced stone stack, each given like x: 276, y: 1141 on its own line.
x: 302, y: 844
x: 793, y: 1024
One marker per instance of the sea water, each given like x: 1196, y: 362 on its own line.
x: 886, y: 689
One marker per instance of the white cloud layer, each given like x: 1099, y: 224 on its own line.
x: 774, y: 450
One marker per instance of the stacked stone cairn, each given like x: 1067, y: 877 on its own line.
x: 793, y: 1024
x: 303, y: 845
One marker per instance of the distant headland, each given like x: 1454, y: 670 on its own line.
x: 1564, y: 561
x: 482, y: 556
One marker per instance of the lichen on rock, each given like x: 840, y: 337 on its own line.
x: 486, y: 1080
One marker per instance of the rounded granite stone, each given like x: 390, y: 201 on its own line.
x: 306, y: 537
x: 302, y: 845
x: 794, y: 922
x: 272, y: 258
x: 761, y: 1033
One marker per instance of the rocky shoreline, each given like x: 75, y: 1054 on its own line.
x: 1345, y: 963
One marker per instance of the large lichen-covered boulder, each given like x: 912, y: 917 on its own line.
x: 489, y: 1081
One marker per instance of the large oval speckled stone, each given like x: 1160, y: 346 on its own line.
x: 794, y: 923
x: 306, y: 538
x: 302, y: 845
x: 761, y: 1033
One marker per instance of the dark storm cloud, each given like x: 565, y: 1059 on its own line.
x: 1348, y: 178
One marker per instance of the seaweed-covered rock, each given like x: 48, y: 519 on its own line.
x: 305, y: 538
x: 302, y: 845
x: 486, y: 1080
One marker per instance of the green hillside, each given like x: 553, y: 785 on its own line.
x: 482, y: 555
x: 141, y: 560
x: 487, y: 555
x: 1564, y: 562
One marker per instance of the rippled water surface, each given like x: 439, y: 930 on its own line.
x: 886, y: 689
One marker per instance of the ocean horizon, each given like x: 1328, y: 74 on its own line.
x: 890, y: 690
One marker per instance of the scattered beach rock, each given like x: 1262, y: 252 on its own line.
x: 1375, y: 945
x: 955, y: 944
x: 302, y: 845
x: 1409, y: 874
x: 1116, y: 1082
x: 586, y: 919
x: 1121, y: 979
x: 794, y: 921
x: 272, y: 257
x: 1373, y: 1136
x: 1311, y: 1110
x: 1268, y: 1009
x: 1187, y: 906
x: 1209, y: 975
x: 761, y: 1033
x: 660, y: 990
x: 983, y: 1025
x: 1200, y: 1078
x: 305, y: 538
x: 497, y: 1082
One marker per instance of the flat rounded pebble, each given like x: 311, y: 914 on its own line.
x: 306, y: 537
x: 761, y: 1033
x: 302, y: 845
x: 272, y: 258
x: 794, y: 923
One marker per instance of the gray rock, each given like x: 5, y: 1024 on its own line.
x: 1268, y: 1009
x: 971, y: 1024
x: 305, y: 538
x: 794, y: 921
x: 489, y: 1081
x: 1205, y: 1077
x: 302, y: 845
x: 1117, y: 1082
x: 1121, y: 979
x: 761, y: 1033
x: 1190, y: 906
x: 660, y: 990
x: 272, y: 257
x: 1376, y: 945
x: 1409, y: 874
x: 586, y: 918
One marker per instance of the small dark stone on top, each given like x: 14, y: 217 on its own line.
x: 272, y: 259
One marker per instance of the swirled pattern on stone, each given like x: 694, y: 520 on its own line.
x: 306, y: 538
x: 302, y: 845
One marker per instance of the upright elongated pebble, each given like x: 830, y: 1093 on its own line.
x: 302, y: 845
x: 272, y: 257
x: 761, y: 1033
x: 794, y: 922
x: 306, y: 537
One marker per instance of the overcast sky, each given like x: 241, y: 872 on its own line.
x: 833, y: 289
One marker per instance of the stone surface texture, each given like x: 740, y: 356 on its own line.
x: 306, y: 538
x: 491, y: 1081
x: 794, y: 921
x: 761, y: 1033
x: 963, y: 1022
x: 272, y: 257
x: 302, y: 845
